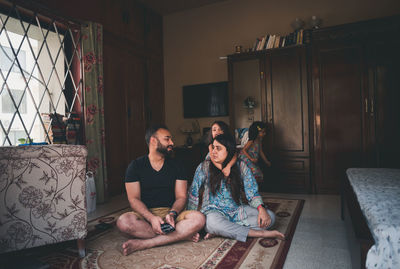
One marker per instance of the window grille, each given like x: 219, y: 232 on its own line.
x: 40, y: 74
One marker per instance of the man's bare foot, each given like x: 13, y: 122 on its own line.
x: 131, y: 246
x: 196, y: 237
x: 208, y: 236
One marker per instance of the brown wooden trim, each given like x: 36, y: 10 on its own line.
x: 358, y: 30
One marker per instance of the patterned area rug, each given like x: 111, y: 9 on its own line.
x: 213, y: 253
x: 216, y: 253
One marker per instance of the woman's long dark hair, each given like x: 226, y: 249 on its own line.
x: 234, y: 181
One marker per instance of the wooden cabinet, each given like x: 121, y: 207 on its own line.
x: 133, y: 77
x: 355, y: 85
x: 281, y: 82
x: 287, y: 114
x: 339, y: 118
x: 384, y: 110
x: 330, y: 106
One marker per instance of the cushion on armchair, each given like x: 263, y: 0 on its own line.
x: 42, y: 195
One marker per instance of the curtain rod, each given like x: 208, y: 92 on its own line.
x: 46, y: 11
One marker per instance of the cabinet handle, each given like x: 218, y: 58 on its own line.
x: 366, y: 105
x: 265, y: 115
x: 262, y: 75
x: 372, y: 107
x: 269, y: 113
x: 129, y: 112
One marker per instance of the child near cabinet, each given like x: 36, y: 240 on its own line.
x: 253, y: 149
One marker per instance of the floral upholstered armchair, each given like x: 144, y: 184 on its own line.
x: 42, y: 196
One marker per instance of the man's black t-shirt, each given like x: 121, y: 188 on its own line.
x: 157, y: 188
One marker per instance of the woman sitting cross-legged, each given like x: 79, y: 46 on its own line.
x: 232, y: 205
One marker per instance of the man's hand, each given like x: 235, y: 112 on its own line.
x: 156, y: 222
x: 169, y: 218
x: 263, y: 219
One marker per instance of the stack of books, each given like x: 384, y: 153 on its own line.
x: 268, y: 41
x: 73, y: 127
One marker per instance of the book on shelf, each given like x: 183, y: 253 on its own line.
x: 277, y: 41
x: 290, y: 39
x: 284, y: 41
x: 271, y: 41
x: 301, y: 36
x: 307, y: 36
x: 260, y: 44
x: 255, y: 45
x: 297, y: 37
x: 264, y: 39
x: 281, y: 41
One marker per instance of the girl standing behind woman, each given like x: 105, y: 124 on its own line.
x: 253, y: 149
x: 217, y: 128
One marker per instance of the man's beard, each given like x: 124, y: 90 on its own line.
x: 164, y: 149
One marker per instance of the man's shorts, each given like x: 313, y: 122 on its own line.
x: 162, y: 212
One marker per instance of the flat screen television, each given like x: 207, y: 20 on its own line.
x: 206, y: 100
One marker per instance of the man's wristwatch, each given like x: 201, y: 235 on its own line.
x: 174, y: 213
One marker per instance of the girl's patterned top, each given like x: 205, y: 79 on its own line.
x: 254, y: 152
x: 223, y: 201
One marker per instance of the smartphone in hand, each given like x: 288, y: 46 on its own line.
x: 167, y: 228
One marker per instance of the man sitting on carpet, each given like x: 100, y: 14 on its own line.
x: 157, y: 192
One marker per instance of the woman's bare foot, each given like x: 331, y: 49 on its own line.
x: 277, y: 235
x: 266, y: 234
x: 131, y: 246
x: 208, y: 236
x: 196, y: 237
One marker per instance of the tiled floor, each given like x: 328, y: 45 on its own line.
x: 319, y: 240
x: 320, y: 237
x: 114, y: 204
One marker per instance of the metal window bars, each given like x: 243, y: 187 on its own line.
x: 55, y: 69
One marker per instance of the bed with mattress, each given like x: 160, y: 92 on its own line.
x: 371, y: 198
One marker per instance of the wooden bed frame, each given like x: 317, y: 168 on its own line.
x: 358, y: 234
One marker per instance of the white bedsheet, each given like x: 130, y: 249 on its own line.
x: 378, y: 193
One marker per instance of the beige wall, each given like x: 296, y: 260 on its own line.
x: 194, y: 40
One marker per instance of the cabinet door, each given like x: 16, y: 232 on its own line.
x: 339, y: 94
x: 245, y: 74
x: 124, y: 113
x: 114, y: 116
x: 287, y: 141
x: 134, y: 72
x: 154, y: 94
x: 383, y: 108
